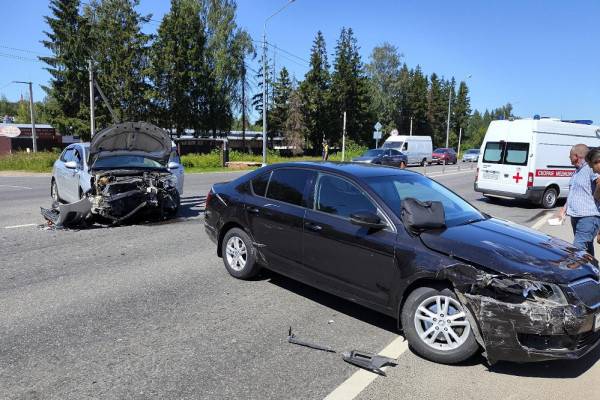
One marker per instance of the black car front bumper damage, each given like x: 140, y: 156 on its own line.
x: 511, y: 325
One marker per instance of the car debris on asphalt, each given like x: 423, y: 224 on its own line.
x: 369, y: 361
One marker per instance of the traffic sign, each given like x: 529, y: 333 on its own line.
x: 9, y: 131
x: 378, y: 126
x: 377, y: 135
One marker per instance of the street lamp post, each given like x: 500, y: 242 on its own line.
x: 449, y: 105
x: 32, y: 114
x: 264, y: 86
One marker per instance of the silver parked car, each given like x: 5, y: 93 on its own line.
x: 471, y: 155
x: 71, y: 177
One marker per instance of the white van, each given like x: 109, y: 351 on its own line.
x: 529, y: 158
x: 418, y: 149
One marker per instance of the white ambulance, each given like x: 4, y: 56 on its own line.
x: 529, y: 158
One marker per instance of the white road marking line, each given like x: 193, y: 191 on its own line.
x: 358, y: 382
x: 16, y: 187
x: 19, y: 226
x: 540, y: 222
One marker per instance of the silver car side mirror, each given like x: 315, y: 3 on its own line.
x: 71, y: 165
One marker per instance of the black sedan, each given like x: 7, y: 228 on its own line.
x: 390, y: 157
x: 456, y: 279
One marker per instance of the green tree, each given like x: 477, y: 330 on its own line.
x: 23, y: 116
x: 177, y: 68
x: 437, y: 106
x: 120, y: 54
x: 384, y: 72
x: 417, y: 101
x: 282, y: 90
x: 68, y: 40
x: 461, y: 110
x: 315, y: 93
x: 295, y: 128
x: 350, y: 91
x: 227, y: 47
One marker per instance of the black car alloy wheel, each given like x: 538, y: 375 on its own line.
x: 436, y: 326
x: 239, y: 255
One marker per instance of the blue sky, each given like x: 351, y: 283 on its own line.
x: 542, y: 56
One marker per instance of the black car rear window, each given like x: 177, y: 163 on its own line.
x: 259, y: 184
x: 288, y: 185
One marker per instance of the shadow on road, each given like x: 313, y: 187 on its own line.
x: 191, y: 206
x: 328, y: 300
x: 562, y: 369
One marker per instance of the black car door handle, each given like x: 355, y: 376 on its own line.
x: 253, y: 210
x: 313, y: 227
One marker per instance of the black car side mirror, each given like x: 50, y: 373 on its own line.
x: 367, y: 219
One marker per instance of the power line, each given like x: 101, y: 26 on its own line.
x: 284, y: 51
x: 23, y: 50
x: 18, y: 57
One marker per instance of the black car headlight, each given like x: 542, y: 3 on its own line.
x: 542, y: 291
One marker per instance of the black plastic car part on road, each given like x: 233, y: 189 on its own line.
x: 399, y: 243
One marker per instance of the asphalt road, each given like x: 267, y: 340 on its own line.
x: 148, y: 311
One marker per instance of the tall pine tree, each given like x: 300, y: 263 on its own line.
x: 314, y: 93
x: 282, y: 90
x: 350, y: 91
x: 177, y: 68
x: 68, y: 41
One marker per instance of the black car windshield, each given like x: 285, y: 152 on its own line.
x: 394, y: 189
x: 473, y: 151
x: 126, y: 161
x: 440, y: 150
x: 373, y: 153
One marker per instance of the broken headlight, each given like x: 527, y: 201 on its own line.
x: 542, y: 291
x: 170, y: 182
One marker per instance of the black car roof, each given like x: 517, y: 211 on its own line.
x: 359, y: 170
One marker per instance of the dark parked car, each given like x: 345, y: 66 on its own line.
x: 391, y: 157
x: 444, y: 154
x: 395, y: 241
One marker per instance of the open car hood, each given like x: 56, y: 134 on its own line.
x: 131, y: 138
x: 512, y: 249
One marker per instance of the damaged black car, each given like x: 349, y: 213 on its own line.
x: 457, y: 280
x: 127, y: 169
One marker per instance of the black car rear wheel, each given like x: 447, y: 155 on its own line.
x: 436, y: 326
x: 239, y: 255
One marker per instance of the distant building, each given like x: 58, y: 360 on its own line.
x: 17, y: 137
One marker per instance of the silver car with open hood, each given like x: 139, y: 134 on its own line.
x: 128, y: 165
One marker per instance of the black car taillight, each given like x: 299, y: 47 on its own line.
x: 208, y: 197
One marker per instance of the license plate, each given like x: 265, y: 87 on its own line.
x: 493, y: 175
x: 597, y: 322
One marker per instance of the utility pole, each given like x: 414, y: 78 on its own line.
x: 32, y: 115
x: 92, y: 105
x: 448, y: 121
x: 243, y: 106
x: 344, y: 139
x: 459, y: 137
x: 411, y: 118
x: 264, y: 63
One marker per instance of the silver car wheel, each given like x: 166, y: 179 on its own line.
x: 236, y: 253
x: 441, y: 323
